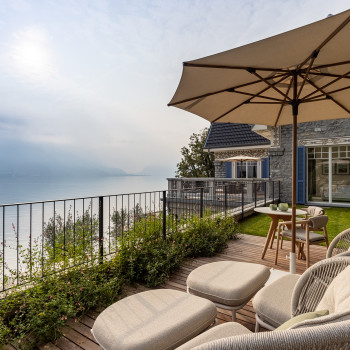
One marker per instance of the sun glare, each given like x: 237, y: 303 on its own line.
x: 30, y: 53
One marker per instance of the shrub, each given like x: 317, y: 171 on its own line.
x: 144, y: 255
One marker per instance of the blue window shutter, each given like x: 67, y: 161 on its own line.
x: 228, y: 169
x: 265, y: 168
x: 301, y: 172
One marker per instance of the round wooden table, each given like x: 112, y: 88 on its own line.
x: 275, y: 216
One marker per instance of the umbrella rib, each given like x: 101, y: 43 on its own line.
x: 269, y: 84
x: 330, y: 97
x: 329, y: 75
x: 328, y: 84
x: 313, y: 57
x: 331, y: 65
x: 218, y: 66
x: 246, y: 101
x: 327, y: 93
x: 330, y: 37
x: 282, y: 106
x: 224, y: 90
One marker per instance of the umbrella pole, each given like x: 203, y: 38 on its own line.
x: 295, y: 105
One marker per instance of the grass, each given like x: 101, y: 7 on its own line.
x: 258, y: 224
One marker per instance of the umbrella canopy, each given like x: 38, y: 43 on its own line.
x: 299, y: 76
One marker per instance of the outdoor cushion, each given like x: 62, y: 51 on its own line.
x: 273, y: 302
x: 155, y: 319
x: 337, y: 295
x: 224, y: 330
x: 315, y: 211
x: 229, y: 283
x: 323, y: 320
x: 302, y: 317
x: 301, y: 234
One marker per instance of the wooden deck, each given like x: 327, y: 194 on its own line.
x: 246, y: 248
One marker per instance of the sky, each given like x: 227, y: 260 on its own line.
x: 88, y: 81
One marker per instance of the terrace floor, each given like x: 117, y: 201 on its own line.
x: 246, y: 248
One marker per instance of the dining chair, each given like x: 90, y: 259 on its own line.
x: 306, y: 234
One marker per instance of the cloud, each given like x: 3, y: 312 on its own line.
x: 94, y: 77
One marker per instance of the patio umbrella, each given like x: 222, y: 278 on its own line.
x: 299, y: 76
x: 241, y: 159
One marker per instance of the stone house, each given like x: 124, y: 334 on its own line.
x: 322, y: 145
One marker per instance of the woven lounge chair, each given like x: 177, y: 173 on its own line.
x: 318, y: 330
x: 292, y: 295
x: 340, y: 244
x: 326, y: 337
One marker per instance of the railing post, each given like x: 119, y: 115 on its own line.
x: 201, y: 203
x: 242, y: 200
x: 273, y: 192
x: 225, y: 198
x: 254, y: 194
x: 265, y: 192
x: 164, y: 214
x: 100, y: 227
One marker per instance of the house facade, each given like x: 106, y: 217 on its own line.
x: 322, y: 145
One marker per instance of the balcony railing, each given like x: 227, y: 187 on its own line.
x: 41, y: 238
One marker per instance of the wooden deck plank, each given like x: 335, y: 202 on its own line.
x: 79, y: 339
x: 246, y: 248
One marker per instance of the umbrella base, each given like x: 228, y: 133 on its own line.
x: 292, y: 263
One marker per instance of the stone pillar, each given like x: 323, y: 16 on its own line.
x: 220, y: 170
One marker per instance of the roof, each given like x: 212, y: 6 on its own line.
x: 228, y: 135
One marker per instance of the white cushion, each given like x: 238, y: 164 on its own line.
x: 224, y: 330
x: 155, y: 319
x: 229, y: 283
x: 337, y: 296
x: 273, y: 302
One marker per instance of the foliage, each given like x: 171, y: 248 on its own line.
x: 123, y: 219
x: 144, y: 256
x: 61, y: 236
x: 195, y: 162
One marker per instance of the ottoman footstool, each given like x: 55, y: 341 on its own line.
x: 155, y: 319
x: 229, y: 284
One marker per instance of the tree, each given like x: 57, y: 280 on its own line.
x: 195, y: 161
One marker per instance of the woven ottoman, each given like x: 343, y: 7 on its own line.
x: 229, y: 284
x: 155, y: 319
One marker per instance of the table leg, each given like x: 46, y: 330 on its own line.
x: 270, y: 234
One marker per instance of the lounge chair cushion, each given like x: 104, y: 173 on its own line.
x: 273, y: 302
x: 300, y: 318
x: 337, y: 295
x: 323, y: 320
x: 224, y: 330
x: 155, y: 319
x: 301, y: 234
x: 229, y: 283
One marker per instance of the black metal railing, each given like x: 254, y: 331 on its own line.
x: 41, y: 238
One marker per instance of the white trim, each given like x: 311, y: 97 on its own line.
x: 213, y: 150
x: 330, y: 141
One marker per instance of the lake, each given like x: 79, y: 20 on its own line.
x: 28, y: 225
x: 31, y: 189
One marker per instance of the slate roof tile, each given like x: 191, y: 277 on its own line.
x: 225, y: 135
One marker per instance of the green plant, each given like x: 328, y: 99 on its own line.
x: 144, y: 255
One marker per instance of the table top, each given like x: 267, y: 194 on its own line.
x: 268, y: 211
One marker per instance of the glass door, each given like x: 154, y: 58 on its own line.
x: 328, y: 174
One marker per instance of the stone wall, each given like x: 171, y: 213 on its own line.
x: 281, y: 156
